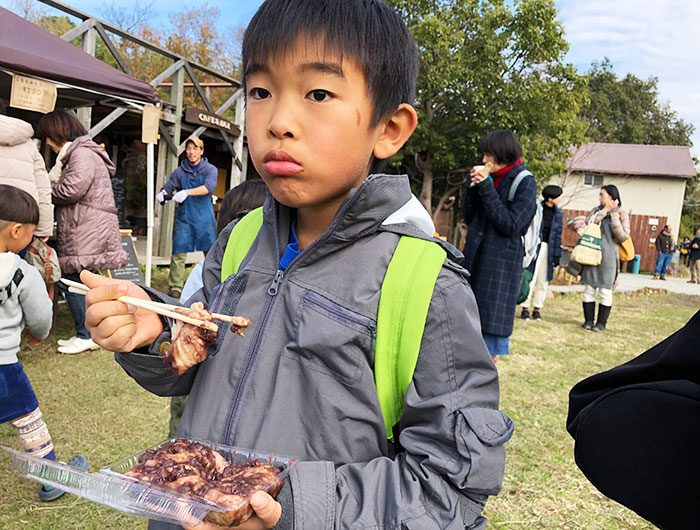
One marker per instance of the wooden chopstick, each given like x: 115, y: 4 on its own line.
x: 79, y: 288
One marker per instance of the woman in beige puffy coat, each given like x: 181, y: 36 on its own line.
x: 86, y: 217
x: 22, y: 166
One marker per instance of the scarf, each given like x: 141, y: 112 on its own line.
x: 57, y: 169
x: 498, y: 175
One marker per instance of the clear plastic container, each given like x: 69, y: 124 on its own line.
x: 110, y: 487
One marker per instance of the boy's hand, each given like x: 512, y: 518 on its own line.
x: 267, y: 513
x: 115, y: 325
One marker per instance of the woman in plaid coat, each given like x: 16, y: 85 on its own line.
x: 494, y: 252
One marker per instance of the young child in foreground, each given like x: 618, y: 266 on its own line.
x: 23, y: 302
x: 329, y: 89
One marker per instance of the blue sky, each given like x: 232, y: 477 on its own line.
x: 643, y: 37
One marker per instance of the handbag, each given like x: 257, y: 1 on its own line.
x: 525, y: 286
x: 627, y: 250
x: 587, y: 250
x: 44, y: 258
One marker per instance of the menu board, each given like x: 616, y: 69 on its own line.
x: 132, y: 270
x: 34, y: 94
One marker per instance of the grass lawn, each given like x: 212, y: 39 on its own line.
x: 91, y: 406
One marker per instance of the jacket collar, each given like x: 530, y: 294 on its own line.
x: 360, y: 214
x: 187, y: 166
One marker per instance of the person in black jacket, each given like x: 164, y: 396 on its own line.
x: 665, y: 246
x: 549, y: 253
x: 493, y: 253
x: 694, y: 259
x: 636, y: 429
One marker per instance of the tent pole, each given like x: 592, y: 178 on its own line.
x: 150, y: 201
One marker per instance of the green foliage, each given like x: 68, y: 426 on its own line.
x: 690, y: 218
x: 485, y: 65
x: 627, y: 110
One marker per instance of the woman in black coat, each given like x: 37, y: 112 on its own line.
x: 494, y: 252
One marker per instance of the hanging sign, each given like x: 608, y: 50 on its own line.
x: 29, y: 93
x: 149, y: 124
x: 209, y: 119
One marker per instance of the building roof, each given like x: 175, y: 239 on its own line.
x: 634, y: 159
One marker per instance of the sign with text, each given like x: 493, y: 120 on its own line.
x: 29, y: 93
x: 132, y: 270
x: 209, y: 119
x: 149, y: 124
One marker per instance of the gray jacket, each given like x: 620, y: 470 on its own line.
x: 301, y: 383
x: 24, y: 303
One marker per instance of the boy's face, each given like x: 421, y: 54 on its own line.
x: 309, y: 125
x: 17, y: 236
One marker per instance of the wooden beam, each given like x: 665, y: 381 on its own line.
x: 78, y: 30
x: 112, y: 49
x: 198, y: 88
x: 165, y: 135
x: 89, y: 45
x: 170, y: 70
x: 133, y: 38
x: 106, y: 122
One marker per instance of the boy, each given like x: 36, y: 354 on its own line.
x: 328, y: 99
x: 23, y: 301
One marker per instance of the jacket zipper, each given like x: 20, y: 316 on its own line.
x: 231, y: 425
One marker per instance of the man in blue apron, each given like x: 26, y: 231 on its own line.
x: 195, y: 226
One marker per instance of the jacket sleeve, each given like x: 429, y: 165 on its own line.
x: 43, y: 186
x: 76, y: 178
x: 556, y: 230
x: 621, y: 227
x: 145, y: 365
x: 470, y: 203
x: 36, y: 305
x: 452, y: 435
x: 211, y: 178
x: 510, y: 218
x: 174, y: 182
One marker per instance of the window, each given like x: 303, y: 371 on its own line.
x: 591, y: 180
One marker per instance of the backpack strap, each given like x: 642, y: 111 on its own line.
x: 407, y: 290
x: 516, y: 182
x: 240, y: 240
x: 6, y: 292
x: 403, y: 307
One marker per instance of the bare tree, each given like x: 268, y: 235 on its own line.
x: 128, y: 18
x: 27, y: 9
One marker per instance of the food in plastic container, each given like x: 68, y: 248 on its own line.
x: 192, y: 468
x: 112, y: 487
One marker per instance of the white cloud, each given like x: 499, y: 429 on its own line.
x: 646, y: 38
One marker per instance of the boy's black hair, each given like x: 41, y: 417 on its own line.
x: 247, y: 196
x: 612, y: 190
x: 17, y: 206
x: 551, y: 192
x: 503, y: 145
x: 366, y: 31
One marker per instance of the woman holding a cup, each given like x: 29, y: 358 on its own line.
x: 493, y: 253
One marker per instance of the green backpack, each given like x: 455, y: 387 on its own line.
x: 403, y: 307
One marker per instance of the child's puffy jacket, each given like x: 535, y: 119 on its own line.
x: 300, y: 382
